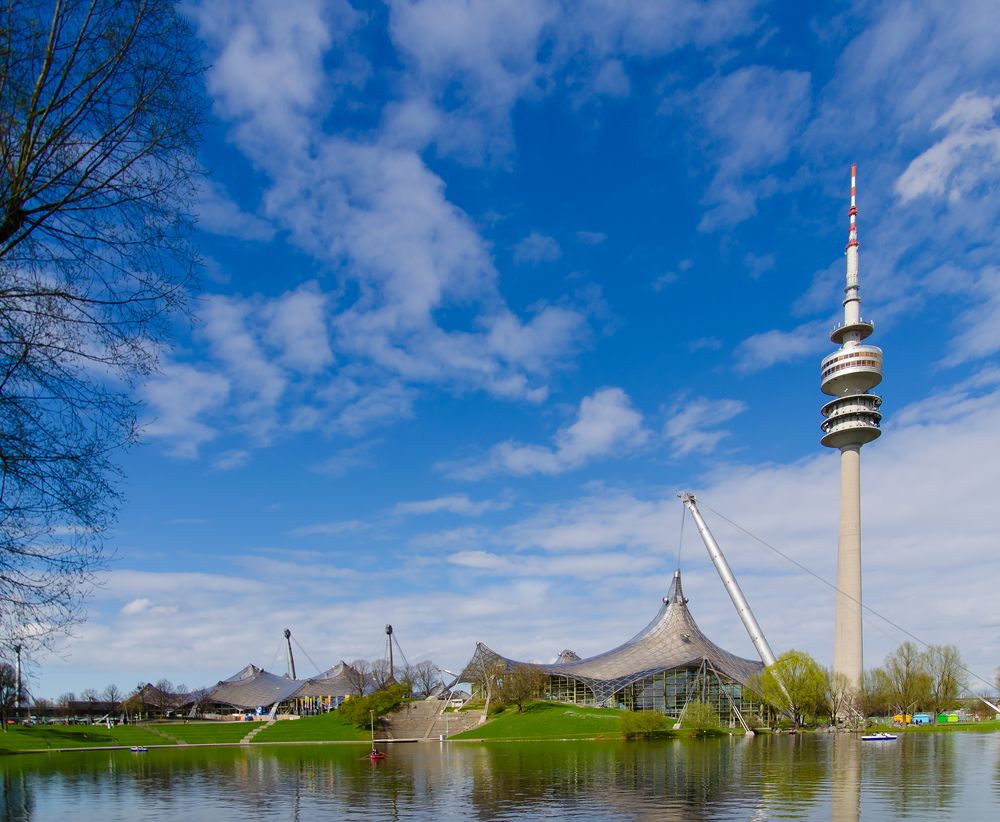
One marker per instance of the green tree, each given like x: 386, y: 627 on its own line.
x: 796, y: 684
x: 100, y: 114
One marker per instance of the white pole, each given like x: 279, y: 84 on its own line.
x: 732, y: 586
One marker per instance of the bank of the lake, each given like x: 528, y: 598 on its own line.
x: 539, y: 721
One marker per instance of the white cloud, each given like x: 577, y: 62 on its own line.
x: 751, y: 117
x: 611, y: 80
x: 606, y: 425
x: 591, y: 237
x: 691, y: 426
x: 231, y: 460
x: 484, y: 52
x: 979, y: 325
x: 967, y: 157
x: 774, y: 347
x: 537, y: 248
x: 329, y: 528
x: 297, y: 327
x: 471, y: 61
x: 704, y: 344
x: 260, y: 383
x: 136, y: 606
x: 453, y: 504
x: 176, y: 397
x: 666, y: 279
x: 220, y: 215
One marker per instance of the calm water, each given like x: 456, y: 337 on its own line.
x: 933, y: 776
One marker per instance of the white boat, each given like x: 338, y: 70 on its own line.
x: 881, y: 736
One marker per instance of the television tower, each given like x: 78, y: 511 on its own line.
x: 852, y: 419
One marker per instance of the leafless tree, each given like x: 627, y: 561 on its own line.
x: 844, y: 701
x: 948, y: 679
x: 521, y: 683
x: 113, y: 696
x: 100, y: 114
x: 358, y: 675
x: 904, y: 678
x: 382, y: 676
x: 8, y: 692
x: 425, y: 677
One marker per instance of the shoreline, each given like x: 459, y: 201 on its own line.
x: 969, y: 728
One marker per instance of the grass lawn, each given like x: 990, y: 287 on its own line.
x: 549, y: 720
x: 199, y: 733
x: 325, y: 728
x: 21, y: 738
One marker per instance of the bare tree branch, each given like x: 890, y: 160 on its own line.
x: 101, y: 109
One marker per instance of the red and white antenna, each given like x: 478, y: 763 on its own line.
x: 852, y: 239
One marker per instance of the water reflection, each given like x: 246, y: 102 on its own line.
x: 937, y: 776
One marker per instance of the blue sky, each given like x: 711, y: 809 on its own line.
x: 488, y: 283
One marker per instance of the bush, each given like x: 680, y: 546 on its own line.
x: 358, y: 710
x: 641, y: 724
x: 702, y: 719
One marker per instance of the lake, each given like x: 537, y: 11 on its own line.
x: 810, y: 777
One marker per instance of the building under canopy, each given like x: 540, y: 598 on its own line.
x: 254, y: 687
x: 664, y: 667
x: 330, y: 688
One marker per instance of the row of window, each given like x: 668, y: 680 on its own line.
x: 870, y: 363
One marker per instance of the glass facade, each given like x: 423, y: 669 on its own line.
x: 667, y: 692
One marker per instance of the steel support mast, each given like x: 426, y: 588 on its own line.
x: 291, y: 659
x: 732, y: 586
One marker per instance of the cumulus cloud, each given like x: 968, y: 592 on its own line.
x: 606, y: 425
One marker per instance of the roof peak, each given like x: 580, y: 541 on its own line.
x: 676, y: 592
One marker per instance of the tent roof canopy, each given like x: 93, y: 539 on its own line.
x: 672, y: 640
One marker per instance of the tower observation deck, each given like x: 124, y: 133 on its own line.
x: 851, y: 419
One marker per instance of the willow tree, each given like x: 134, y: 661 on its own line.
x: 795, y: 684
x: 100, y: 114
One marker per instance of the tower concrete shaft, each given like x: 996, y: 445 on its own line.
x: 852, y: 419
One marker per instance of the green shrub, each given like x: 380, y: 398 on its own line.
x: 702, y: 719
x: 641, y: 724
x: 357, y: 711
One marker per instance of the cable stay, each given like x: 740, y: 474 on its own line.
x: 306, y: 655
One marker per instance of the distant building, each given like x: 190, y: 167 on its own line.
x: 253, y: 688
